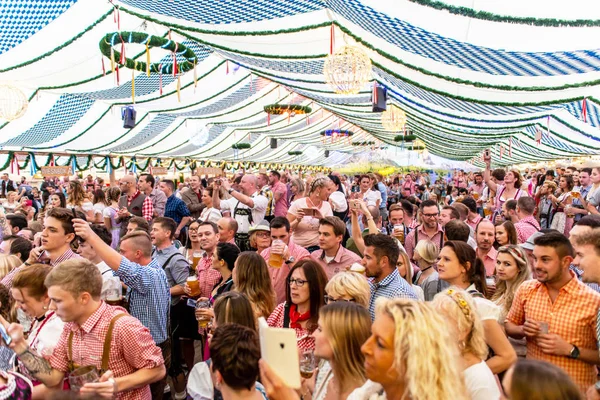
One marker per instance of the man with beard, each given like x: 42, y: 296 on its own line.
x: 485, y: 234
x: 208, y: 235
x: 430, y: 229
x: 557, y: 313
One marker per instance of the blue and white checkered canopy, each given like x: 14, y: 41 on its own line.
x: 520, y: 78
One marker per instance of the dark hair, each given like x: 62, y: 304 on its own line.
x: 339, y: 228
x: 536, y: 379
x: 141, y: 223
x: 228, y: 252
x: 476, y: 271
x: 587, y: 170
x: 17, y: 221
x: 337, y: 182
x: 457, y: 230
x: 316, y: 280
x: 421, y: 188
x: 235, y: 352
x: 395, y: 207
x: 280, y: 222
x: 166, y: 223
x: 102, y: 233
x: 511, y: 205
x: 453, y: 212
x: 65, y: 216
x: 470, y: 203
x: 22, y: 246
x: 32, y: 277
x: 511, y: 231
x: 526, y: 204
x: 385, y: 246
x: 169, y: 183
x: 149, y: 178
x: 429, y: 203
x: 550, y: 172
x: 569, y: 180
x: 592, y: 221
x: 499, y: 174
x: 234, y: 308
x: 276, y: 173
x: 61, y: 196
x: 363, y: 177
x: 6, y: 303
x: 556, y: 240
x: 407, y: 207
x: 99, y: 196
x: 214, y: 226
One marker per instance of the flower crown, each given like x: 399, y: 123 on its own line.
x: 461, y: 302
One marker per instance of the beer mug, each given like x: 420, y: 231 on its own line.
x: 398, y: 232
x: 196, y: 256
x: 194, y: 285
x: 576, y: 194
x: 475, y: 195
x: 202, y: 323
x: 275, y: 258
x: 487, y: 210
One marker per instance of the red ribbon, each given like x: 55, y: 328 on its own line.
x: 584, y: 109
x: 375, y: 92
x: 160, y: 79
x: 118, y: 19
x: 117, y: 73
x: 227, y: 67
x: 332, y: 39
x: 175, y: 60
x: 122, y: 59
x: 103, y: 69
x: 268, y: 119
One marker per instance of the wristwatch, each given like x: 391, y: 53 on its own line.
x: 290, y: 260
x: 574, y: 353
x: 230, y: 190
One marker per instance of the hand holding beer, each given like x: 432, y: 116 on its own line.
x: 193, y: 285
x: 398, y: 232
x: 276, y: 255
x: 203, y: 313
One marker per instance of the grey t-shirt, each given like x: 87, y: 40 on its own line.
x: 177, y: 270
x: 594, y: 198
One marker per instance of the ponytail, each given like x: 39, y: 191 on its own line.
x: 477, y: 277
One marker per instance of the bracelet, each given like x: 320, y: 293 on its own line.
x: 27, y: 263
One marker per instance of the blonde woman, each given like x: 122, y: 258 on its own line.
x: 304, y: 214
x: 405, y: 269
x: 11, y: 202
x: 425, y: 255
x: 459, y: 313
x: 512, y: 269
x: 251, y: 277
x: 343, y: 328
x: 410, y: 355
x: 348, y: 286
x: 297, y: 189
x: 8, y: 263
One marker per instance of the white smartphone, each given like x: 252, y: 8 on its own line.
x: 279, y: 349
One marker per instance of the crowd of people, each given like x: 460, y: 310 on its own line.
x: 471, y: 286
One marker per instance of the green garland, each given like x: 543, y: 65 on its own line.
x: 278, y: 109
x: 405, y: 138
x: 294, y: 153
x: 488, y: 16
x: 240, y: 146
x: 368, y: 143
x: 114, y: 38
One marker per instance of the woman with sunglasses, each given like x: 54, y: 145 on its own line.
x: 304, y: 214
x: 305, y: 295
x: 348, y: 286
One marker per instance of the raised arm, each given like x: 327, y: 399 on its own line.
x: 487, y: 177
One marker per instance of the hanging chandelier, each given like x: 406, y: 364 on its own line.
x: 347, y: 70
x: 393, y: 119
x: 13, y: 103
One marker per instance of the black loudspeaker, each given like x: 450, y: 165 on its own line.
x: 326, y: 153
x: 379, y: 99
x: 128, y: 114
x: 273, y: 143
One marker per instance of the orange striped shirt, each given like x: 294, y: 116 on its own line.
x: 572, y: 316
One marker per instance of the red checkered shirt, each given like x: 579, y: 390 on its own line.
x: 304, y: 338
x: 525, y: 228
x: 132, y: 347
x: 572, y: 316
x: 207, y: 276
x: 147, y: 207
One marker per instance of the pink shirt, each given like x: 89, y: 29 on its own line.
x: 343, y: 258
x: 306, y: 233
x: 281, y: 206
x: 473, y: 222
x: 525, y: 228
x: 489, y: 261
x: 279, y: 275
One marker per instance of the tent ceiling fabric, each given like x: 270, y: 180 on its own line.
x: 468, y: 79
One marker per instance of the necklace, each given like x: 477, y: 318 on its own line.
x: 314, y: 205
x: 423, y: 270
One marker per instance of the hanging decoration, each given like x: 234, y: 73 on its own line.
x: 292, y: 109
x: 405, y: 138
x: 393, y: 119
x: 294, y: 153
x: 13, y: 103
x: 186, y: 54
x: 240, y: 146
x: 418, y: 145
x: 347, y: 70
x: 336, y: 135
x: 363, y: 144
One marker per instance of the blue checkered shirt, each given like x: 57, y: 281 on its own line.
x: 176, y: 209
x: 392, y: 286
x: 149, y: 295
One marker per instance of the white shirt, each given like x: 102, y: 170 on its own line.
x: 258, y: 211
x: 210, y: 214
x: 481, y: 383
x: 338, y: 201
x: 371, y: 196
x: 105, y: 270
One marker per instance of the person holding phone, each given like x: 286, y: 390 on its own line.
x: 304, y: 214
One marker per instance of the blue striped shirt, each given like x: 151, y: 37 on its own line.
x: 392, y: 286
x: 149, y: 295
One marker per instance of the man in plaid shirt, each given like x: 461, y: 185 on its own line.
x: 133, y: 361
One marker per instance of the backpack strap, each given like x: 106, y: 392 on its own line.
x: 286, y: 315
x: 107, y: 340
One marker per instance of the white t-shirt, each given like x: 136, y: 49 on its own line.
x: 258, y: 212
x: 371, y: 196
x: 99, y: 208
x: 210, y: 214
x: 105, y: 270
x: 338, y: 201
x: 481, y: 383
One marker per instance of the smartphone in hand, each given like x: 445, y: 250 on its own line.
x: 5, y: 336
